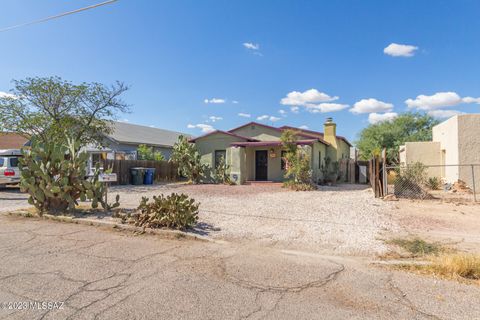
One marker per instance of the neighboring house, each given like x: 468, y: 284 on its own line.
x: 455, y: 141
x: 123, y: 143
x: 10, y: 140
x: 254, y: 151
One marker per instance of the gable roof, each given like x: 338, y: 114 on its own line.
x: 12, y: 140
x: 224, y: 132
x: 315, y: 133
x: 136, y: 134
x: 281, y: 129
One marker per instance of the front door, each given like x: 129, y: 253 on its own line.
x: 261, y: 165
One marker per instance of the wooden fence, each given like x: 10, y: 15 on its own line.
x: 164, y: 170
x: 375, y: 175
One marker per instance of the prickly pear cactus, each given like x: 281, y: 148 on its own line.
x: 55, y: 177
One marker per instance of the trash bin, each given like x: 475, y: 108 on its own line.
x: 149, y: 174
x: 136, y: 175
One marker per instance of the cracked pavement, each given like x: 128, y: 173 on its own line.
x: 103, y: 273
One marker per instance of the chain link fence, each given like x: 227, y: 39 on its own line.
x: 456, y: 183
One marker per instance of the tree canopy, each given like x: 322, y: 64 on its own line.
x: 407, y: 127
x: 52, y: 109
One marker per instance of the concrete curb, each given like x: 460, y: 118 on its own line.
x: 127, y: 227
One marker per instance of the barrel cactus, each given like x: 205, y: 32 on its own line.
x: 55, y: 177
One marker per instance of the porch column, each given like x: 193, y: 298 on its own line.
x: 238, y: 167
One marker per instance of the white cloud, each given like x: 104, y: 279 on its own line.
x: 244, y: 115
x: 267, y: 117
x: 326, y: 107
x: 282, y: 112
x: 234, y: 101
x: 206, y: 128
x: 380, y: 117
x: 400, y: 50
x: 471, y: 100
x: 304, y: 127
x: 371, y: 105
x: 296, y: 98
x: 214, y: 100
x: 251, y: 46
x: 439, y: 100
x: 442, y: 114
x: 294, y: 109
x: 7, y: 95
x: 215, y: 119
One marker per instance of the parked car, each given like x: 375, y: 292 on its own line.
x: 9, y: 171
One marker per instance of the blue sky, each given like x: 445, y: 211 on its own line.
x: 252, y: 54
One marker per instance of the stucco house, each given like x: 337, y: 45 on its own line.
x: 455, y: 142
x: 123, y: 142
x: 253, y: 151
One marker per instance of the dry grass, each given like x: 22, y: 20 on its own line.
x: 439, y: 261
x: 456, y: 265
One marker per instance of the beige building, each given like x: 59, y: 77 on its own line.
x: 254, y: 152
x: 455, y: 142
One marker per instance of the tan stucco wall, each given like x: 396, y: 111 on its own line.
x: 317, y: 159
x: 206, y: 146
x: 426, y: 152
x: 447, y: 134
x: 469, y: 147
x: 343, y: 149
x: 259, y: 132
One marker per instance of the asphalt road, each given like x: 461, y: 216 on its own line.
x: 87, y: 272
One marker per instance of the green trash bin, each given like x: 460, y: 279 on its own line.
x: 137, y: 175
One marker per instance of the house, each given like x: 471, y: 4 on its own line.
x: 254, y: 152
x: 11, y: 140
x: 454, y: 147
x: 123, y: 142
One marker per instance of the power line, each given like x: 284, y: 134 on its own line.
x: 58, y: 15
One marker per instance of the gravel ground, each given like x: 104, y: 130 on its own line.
x: 346, y: 219
x: 12, y: 199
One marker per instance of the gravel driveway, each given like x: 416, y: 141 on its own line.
x: 346, y: 219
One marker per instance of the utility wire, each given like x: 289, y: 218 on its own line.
x: 58, y: 15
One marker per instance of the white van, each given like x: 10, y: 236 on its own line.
x: 9, y: 171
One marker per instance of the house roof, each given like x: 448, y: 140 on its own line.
x: 305, y: 131
x: 281, y: 129
x: 136, y: 134
x: 270, y: 143
x: 223, y: 132
x: 11, y: 140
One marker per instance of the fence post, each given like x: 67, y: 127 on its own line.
x: 473, y: 184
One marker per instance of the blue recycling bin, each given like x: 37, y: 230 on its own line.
x: 149, y: 174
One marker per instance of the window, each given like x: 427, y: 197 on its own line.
x: 218, y: 155
x: 2, y: 160
x: 282, y: 159
x: 319, y: 159
x: 13, y: 162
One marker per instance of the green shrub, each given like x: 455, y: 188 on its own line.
x: 148, y: 153
x: 297, y: 163
x: 222, y: 172
x: 187, y: 158
x: 433, y: 183
x: 176, y: 211
x: 54, y: 176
